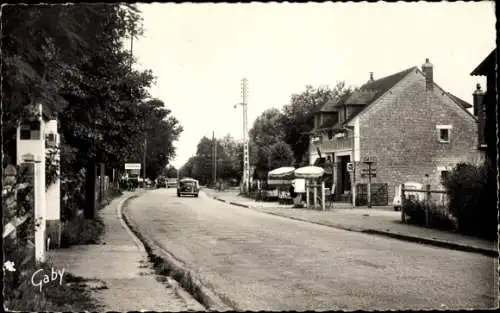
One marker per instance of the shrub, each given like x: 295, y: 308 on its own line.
x: 439, y: 216
x: 469, y: 189
x: 81, y: 231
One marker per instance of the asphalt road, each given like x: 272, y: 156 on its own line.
x: 257, y: 261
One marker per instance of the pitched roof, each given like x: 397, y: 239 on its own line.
x: 487, y: 66
x: 333, y: 104
x: 463, y: 103
x: 372, y: 90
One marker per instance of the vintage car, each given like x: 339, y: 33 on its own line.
x: 188, y: 186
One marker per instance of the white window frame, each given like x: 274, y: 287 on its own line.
x: 439, y: 128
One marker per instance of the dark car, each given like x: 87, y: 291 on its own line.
x: 188, y: 186
x: 161, y: 182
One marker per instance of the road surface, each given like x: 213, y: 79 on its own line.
x: 256, y: 261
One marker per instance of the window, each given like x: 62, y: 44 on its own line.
x: 444, y: 135
x: 444, y: 132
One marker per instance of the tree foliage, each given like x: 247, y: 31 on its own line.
x: 290, y: 125
x: 72, y: 59
x: 299, y: 116
x: 229, y: 158
x: 267, y: 130
x: 280, y: 154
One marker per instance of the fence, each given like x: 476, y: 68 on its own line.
x: 434, y: 202
x: 379, y: 194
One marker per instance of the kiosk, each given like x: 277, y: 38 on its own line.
x: 314, y: 185
x: 280, y: 179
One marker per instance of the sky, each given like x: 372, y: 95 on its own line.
x: 200, y: 52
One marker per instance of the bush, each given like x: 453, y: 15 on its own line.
x: 81, y: 231
x: 439, y: 217
x: 469, y: 188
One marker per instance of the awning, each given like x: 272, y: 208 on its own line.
x: 309, y: 172
x: 281, y: 172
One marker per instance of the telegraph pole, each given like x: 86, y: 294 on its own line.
x: 214, y: 157
x: 144, y: 159
x: 246, y: 163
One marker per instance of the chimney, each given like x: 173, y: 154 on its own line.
x: 429, y: 79
x: 477, y: 97
x: 479, y: 112
x: 371, y: 77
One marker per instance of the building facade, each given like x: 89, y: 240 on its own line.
x: 409, y: 127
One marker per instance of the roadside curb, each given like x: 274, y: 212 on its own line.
x: 239, y: 204
x: 434, y: 242
x: 421, y: 240
x: 187, y: 298
x: 166, y: 264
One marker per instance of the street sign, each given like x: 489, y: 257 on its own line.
x: 132, y: 166
x: 349, y: 167
x: 365, y: 170
x: 364, y: 175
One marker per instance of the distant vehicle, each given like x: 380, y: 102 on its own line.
x: 188, y: 186
x: 171, y: 182
x: 396, y: 203
x: 161, y: 182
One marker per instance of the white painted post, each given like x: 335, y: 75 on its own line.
x: 323, y: 195
x: 307, y: 193
x: 315, y: 194
x: 39, y: 206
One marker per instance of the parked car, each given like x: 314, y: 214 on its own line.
x: 188, y: 186
x: 396, y: 203
x: 161, y: 182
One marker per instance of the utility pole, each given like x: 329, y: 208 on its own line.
x: 214, y: 157
x: 144, y: 159
x: 246, y: 162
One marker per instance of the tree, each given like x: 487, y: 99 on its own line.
x: 229, y: 155
x: 280, y: 154
x: 170, y: 171
x: 161, y: 130
x: 298, y: 115
x: 72, y: 59
x: 267, y: 130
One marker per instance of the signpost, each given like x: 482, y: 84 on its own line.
x: 370, y: 173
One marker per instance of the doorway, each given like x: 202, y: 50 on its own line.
x: 343, y: 187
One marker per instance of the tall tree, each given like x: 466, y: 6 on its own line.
x: 267, y: 130
x: 280, y: 154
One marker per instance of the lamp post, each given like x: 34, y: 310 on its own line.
x: 246, y: 162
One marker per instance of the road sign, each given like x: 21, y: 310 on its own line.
x: 350, y: 167
x: 132, y: 166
